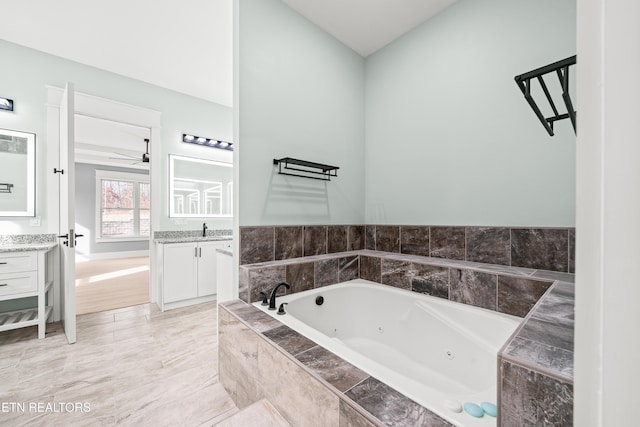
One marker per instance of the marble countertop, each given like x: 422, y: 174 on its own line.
x: 544, y: 340
x: 186, y: 239
x: 24, y: 247
x: 186, y: 236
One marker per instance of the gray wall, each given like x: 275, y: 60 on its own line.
x: 450, y: 138
x: 25, y: 82
x: 302, y: 96
x: 440, y: 134
x: 86, y: 212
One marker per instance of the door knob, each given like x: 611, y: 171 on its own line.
x: 65, y: 236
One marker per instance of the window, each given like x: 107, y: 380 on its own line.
x: 123, y: 206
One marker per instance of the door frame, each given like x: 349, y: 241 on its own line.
x: 103, y: 108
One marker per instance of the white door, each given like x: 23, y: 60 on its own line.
x: 180, y: 271
x: 207, y: 275
x: 67, y: 215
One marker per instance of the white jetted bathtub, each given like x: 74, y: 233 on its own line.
x: 439, y: 353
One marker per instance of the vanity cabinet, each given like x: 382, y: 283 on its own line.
x: 189, y: 272
x: 26, y: 274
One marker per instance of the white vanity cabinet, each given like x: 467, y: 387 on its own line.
x: 189, y: 273
x: 24, y: 274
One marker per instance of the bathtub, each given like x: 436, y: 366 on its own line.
x: 438, y: 353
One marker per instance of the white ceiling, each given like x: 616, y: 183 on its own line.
x: 368, y: 25
x: 181, y: 45
x: 104, y: 142
x: 186, y: 45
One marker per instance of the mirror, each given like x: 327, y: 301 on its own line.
x: 199, y: 188
x: 17, y: 173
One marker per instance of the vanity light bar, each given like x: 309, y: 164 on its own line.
x: 199, y: 140
x: 6, y: 104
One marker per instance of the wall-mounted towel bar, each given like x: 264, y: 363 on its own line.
x: 561, y: 68
x: 5, y: 188
x: 305, y: 169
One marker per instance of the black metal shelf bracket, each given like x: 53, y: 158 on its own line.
x: 561, y: 68
x: 305, y: 169
x: 5, y: 187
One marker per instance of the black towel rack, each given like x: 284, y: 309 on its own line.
x: 5, y: 188
x: 305, y: 169
x: 561, y: 68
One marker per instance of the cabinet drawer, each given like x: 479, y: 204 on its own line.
x: 18, y: 261
x: 18, y: 283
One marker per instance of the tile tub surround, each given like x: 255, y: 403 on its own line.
x: 535, y: 377
x: 262, y: 244
x: 537, y: 248
x: 536, y: 365
x: 510, y: 290
x: 308, y: 384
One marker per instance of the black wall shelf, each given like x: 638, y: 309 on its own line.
x: 305, y: 169
x: 5, y: 188
x: 561, y: 68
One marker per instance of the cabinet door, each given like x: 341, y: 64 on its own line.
x: 207, y: 276
x: 179, y: 271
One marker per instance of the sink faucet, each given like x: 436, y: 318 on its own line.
x: 272, y: 299
x: 204, y: 229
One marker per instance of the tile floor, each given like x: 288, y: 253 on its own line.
x: 133, y: 366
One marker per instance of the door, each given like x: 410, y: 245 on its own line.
x: 207, y: 276
x: 67, y: 235
x: 180, y: 270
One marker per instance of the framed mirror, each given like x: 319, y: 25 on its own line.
x: 17, y: 173
x: 199, y: 188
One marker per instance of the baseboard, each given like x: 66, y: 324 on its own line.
x: 111, y: 255
x: 185, y: 303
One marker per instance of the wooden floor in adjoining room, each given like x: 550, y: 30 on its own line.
x: 107, y: 284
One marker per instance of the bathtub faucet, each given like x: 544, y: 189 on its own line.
x: 272, y: 298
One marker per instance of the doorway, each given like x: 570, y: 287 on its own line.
x: 118, y: 141
x: 113, y: 212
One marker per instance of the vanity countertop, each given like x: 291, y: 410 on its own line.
x: 186, y: 236
x: 186, y: 239
x: 24, y: 247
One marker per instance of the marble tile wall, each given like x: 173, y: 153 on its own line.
x: 550, y: 249
x: 536, y: 366
x: 261, y: 244
x: 540, y: 248
x: 508, y: 290
x: 301, y: 274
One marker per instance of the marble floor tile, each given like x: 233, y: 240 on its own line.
x: 259, y: 414
x: 134, y: 366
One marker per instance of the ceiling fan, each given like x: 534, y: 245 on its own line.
x: 145, y: 155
